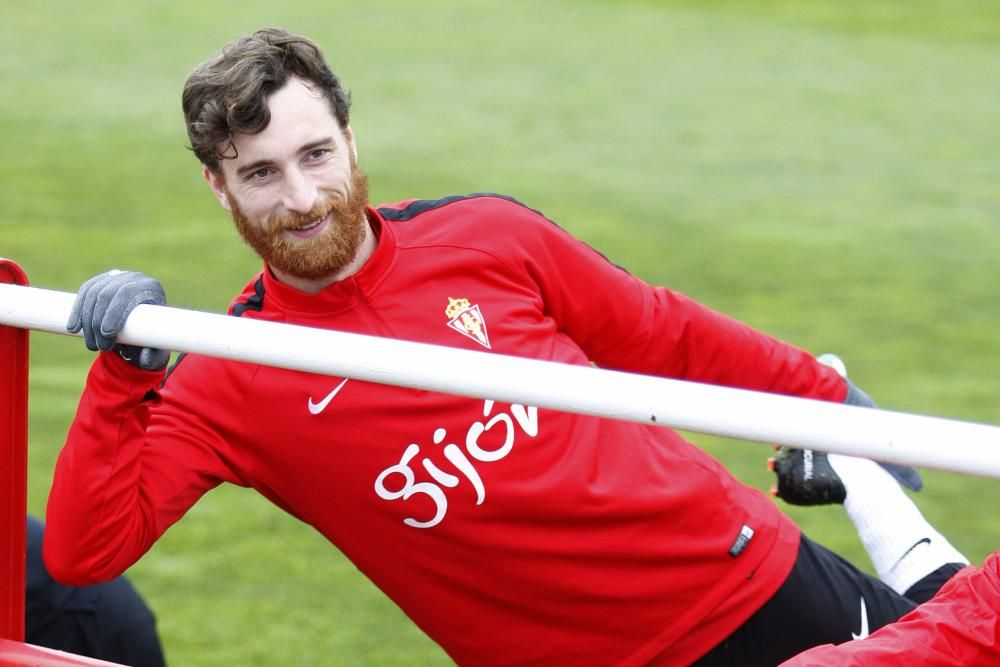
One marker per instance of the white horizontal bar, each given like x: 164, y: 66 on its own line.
x: 879, y: 434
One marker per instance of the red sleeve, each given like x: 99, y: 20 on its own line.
x: 624, y: 323
x: 124, y: 475
x: 958, y: 626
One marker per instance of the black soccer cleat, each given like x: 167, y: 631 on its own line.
x: 805, y: 477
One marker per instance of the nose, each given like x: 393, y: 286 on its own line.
x: 300, y: 192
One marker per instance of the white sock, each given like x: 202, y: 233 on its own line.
x: 904, y: 548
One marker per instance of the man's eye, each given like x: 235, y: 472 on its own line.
x: 260, y: 173
x: 318, y: 153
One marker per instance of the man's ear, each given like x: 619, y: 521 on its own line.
x: 349, y: 135
x: 217, y: 182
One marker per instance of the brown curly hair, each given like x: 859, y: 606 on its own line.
x: 228, y: 94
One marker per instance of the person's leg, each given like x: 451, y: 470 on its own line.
x: 824, y: 600
x: 126, y: 630
x: 908, y: 553
x: 904, y: 548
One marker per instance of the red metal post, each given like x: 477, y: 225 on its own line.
x: 13, y: 465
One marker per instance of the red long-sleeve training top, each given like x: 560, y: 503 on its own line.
x: 509, y: 534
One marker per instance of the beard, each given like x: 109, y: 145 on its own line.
x: 311, y: 259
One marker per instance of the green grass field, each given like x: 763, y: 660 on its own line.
x: 827, y: 172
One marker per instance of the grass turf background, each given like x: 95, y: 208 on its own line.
x: 827, y: 173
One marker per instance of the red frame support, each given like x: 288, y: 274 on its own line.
x: 17, y: 654
x: 13, y: 465
x: 14, y: 499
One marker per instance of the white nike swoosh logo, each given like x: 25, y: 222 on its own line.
x: 864, y: 622
x: 316, y: 408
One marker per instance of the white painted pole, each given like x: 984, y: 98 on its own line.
x: 931, y: 442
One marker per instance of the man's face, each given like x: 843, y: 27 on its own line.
x: 294, y: 189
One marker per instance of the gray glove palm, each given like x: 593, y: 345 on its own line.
x: 104, y: 303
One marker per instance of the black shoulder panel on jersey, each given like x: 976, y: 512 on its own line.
x: 416, y: 207
x: 255, y: 302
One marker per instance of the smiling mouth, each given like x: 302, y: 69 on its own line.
x: 310, y: 229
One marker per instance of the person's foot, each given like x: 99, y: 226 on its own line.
x: 805, y: 477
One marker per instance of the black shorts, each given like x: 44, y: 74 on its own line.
x: 825, y: 600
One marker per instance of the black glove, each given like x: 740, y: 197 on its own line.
x: 905, y: 475
x: 104, y: 303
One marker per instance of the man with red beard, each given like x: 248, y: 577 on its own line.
x: 509, y: 534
